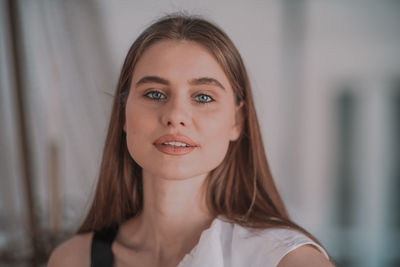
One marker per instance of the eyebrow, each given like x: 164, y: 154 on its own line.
x: 152, y: 79
x: 196, y: 81
x: 206, y: 81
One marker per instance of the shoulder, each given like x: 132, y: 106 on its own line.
x: 306, y: 255
x: 293, y: 248
x: 73, y: 252
x: 283, y: 246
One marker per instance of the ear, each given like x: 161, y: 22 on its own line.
x: 237, y: 126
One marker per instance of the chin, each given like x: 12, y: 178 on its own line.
x: 177, y: 174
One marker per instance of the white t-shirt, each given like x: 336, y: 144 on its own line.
x: 226, y: 244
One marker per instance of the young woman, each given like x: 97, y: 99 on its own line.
x: 184, y: 179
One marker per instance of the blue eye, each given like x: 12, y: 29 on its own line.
x: 204, y: 99
x: 156, y: 95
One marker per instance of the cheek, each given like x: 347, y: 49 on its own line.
x: 215, y: 135
x: 217, y: 124
x: 138, y: 120
x: 138, y: 128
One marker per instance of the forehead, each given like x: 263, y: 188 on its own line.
x: 179, y: 60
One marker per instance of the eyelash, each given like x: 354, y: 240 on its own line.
x: 160, y: 99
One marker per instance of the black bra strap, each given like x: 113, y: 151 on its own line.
x: 101, y: 254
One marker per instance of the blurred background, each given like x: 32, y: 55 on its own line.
x: 326, y: 82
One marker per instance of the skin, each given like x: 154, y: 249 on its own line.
x: 174, y: 211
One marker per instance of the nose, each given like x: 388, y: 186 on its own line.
x: 176, y: 113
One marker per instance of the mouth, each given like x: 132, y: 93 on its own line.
x: 175, y: 144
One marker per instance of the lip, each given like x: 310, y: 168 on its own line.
x: 175, y: 138
x: 172, y: 150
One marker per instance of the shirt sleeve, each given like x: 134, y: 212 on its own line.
x: 287, y: 240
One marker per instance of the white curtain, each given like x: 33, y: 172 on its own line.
x: 67, y: 84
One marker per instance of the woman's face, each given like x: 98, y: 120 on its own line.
x: 179, y: 89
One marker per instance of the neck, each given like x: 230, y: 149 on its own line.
x: 173, y: 217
